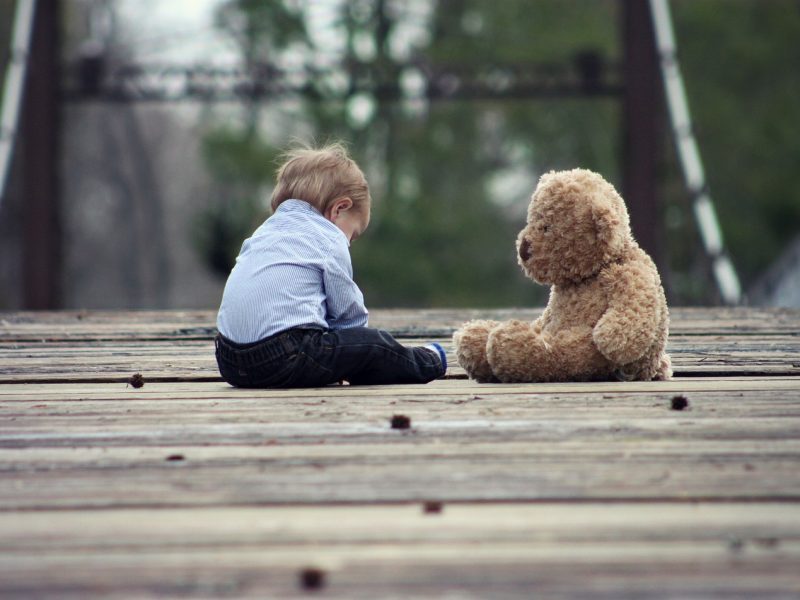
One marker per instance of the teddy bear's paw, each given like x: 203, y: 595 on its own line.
x: 650, y: 368
x: 664, y: 368
x: 470, y: 344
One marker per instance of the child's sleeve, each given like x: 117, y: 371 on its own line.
x: 345, y: 302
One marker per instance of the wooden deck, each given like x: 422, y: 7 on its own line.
x: 186, y: 487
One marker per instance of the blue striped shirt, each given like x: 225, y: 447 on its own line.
x: 294, y: 270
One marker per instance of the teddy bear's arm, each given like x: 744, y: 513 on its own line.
x: 540, y: 323
x: 630, y: 324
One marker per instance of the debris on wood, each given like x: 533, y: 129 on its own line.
x: 767, y: 542
x: 400, y: 422
x: 312, y: 579
x: 735, y: 545
x: 136, y: 380
x: 679, y: 403
x: 470, y: 398
x: 432, y: 507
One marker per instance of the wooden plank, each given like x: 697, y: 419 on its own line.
x: 613, y: 472
x: 150, y: 325
x: 106, y: 325
x: 175, y: 345
x: 202, y: 453
x: 467, y: 442
x: 467, y: 389
x: 363, y: 524
x: 489, y: 550
x: 270, y: 471
x: 710, y: 398
x: 496, y: 571
x: 194, y: 360
x: 145, y: 425
x: 109, y: 361
x: 728, y: 396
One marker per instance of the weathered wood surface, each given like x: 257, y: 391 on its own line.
x: 467, y: 443
x: 366, y: 551
x: 177, y: 346
x: 189, y: 488
x: 177, y: 324
x: 193, y: 360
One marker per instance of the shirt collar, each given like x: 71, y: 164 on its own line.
x: 293, y: 205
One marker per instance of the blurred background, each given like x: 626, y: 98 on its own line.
x: 146, y: 142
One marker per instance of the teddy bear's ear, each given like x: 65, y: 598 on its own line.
x: 611, y: 227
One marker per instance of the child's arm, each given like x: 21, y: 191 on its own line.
x: 345, y: 302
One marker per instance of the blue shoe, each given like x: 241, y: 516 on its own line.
x: 439, y: 352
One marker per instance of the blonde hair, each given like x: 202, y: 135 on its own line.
x: 319, y: 176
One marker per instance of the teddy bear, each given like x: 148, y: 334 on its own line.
x: 607, y: 316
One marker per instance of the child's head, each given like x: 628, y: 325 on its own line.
x: 328, y: 179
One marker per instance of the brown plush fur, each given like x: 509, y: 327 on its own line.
x: 607, y: 316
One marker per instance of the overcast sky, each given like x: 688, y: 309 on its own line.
x: 174, y: 31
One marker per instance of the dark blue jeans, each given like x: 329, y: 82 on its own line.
x: 315, y: 357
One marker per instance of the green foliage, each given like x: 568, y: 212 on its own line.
x: 438, y: 236
x: 740, y: 63
x: 522, y: 31
x: 241, y: 164
x: 6, y: 22
x: 436, y: 239
x: 219, y: 230
x: 261, y: 28
x: 236, y: 156
x: 445, y: 212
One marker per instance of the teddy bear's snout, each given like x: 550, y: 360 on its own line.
x: 525, y: 250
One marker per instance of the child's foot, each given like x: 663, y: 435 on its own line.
x: 439, y: 351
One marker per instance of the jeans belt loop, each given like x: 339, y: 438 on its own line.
x: 287, y: 343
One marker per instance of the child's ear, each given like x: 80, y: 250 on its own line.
x: 340, y: 205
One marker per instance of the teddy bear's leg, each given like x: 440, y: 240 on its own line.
x: 517, y: 352
x: 470, y: 344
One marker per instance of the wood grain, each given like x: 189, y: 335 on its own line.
x: 187, y: 325
x: 193, y: 360
x: 485, y: 550
x: 187, y: 487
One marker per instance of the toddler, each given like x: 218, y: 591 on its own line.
x: 291, y: 314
